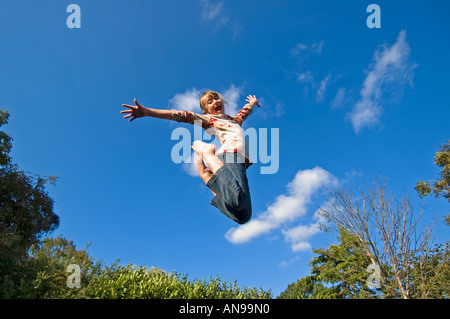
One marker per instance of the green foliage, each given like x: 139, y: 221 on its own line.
x: 26, y: 214
x: 5, y: 140
x: 344, y: 266
x: 338, y: 272
x: 440, y: 187
x: 308, y: 287
x: 26, y: 209
x: 128, y: 282
x: 52, y: 256
x: 432, y: 271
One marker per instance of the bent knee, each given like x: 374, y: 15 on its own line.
x: 244, y: 217
x: 240, y: 216
x: 243, y: 210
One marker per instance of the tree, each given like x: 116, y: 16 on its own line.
x: 432, y: 273
x: 338, y: 272
x: 341, y: 271
x: 345, y: 267
x: 441, y: 187
x: 26, y: 214
x: 51, y: 258
x: 387, y: 231
x: 5, y: 140
x: 308, y: 287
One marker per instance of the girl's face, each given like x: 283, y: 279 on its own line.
x: 214, y: 105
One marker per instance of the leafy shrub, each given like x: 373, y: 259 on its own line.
x: 129, y: 282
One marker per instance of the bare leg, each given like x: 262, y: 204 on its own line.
x: 204, y: 172
x: 208, y: 152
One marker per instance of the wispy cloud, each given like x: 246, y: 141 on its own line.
x: 340, y: 99
x: 306, y: 77
x: 321, y: 90
x: 289, y: 263
x: 390, y: 70
x: 213, y: 13
x: 286, y: 208
x: 303, y: 50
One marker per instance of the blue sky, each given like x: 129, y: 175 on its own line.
x: 350, y: 103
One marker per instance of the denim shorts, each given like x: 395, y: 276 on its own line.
x: 230, y: 185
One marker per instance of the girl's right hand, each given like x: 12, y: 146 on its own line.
x: 134, y: 111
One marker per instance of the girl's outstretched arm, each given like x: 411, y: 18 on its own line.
x: 140, y: 111
x: 247, y: 109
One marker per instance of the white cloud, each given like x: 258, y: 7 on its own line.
x: 306, y: 77
x: 301, y: 246
x: 390, y: 71
x: 233, y: 95
x: 189, y: 100
x: 304, y: 50
x: 340, y: 98
x: 320, y: 93
x: 286, y: 207
x: 211, y: 11
x: 319, y: 89
x: 299, y: 235
x: 288, y: 263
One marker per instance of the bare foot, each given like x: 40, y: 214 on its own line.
x: 208, y: 152
x: 204, y: 149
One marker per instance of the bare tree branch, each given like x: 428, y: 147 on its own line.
x: 387, y: 228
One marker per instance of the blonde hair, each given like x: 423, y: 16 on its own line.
x: 212, y: 94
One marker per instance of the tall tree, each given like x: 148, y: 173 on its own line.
x: 345, y: 271
x: 440, y: 187
x: 5, y: 140
x: 26, y: 211
x: 338, y: 272
x: 387, y: 230
x: 51, y: 258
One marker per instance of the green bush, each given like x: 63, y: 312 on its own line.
x: 50, y: 258
x: 128, y: 282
